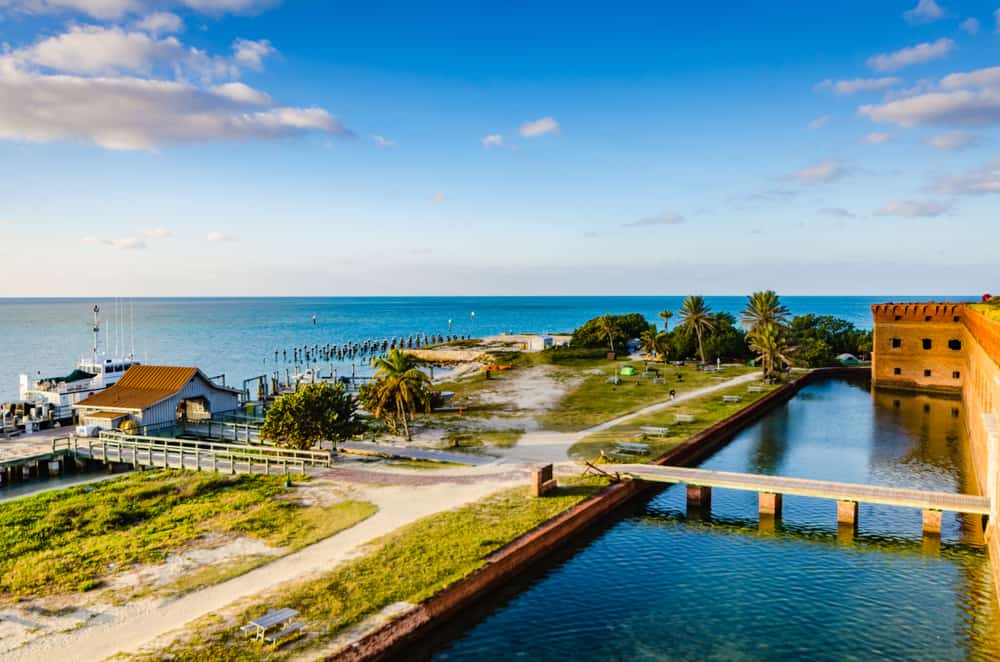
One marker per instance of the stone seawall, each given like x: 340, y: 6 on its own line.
x: 540, y: 543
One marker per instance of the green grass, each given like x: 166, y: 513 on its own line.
x: 74, y: 539
x: 707, y: 410
x: 422, y: 464
x: 478, y: 438
x: 594, y: 401
x: 990, y: 310
x: 408, y: 565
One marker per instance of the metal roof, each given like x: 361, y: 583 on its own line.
x: 143, y: 386
x: 105, y: 414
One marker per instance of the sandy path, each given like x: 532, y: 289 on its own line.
x: 545, y: 446
x: 128, y: 628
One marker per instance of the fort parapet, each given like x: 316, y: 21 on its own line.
x: 949, y: 348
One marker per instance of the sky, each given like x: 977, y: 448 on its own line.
x: 269, y: 147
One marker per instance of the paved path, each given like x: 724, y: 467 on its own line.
x: 545, y: 446
x: 412, y: 453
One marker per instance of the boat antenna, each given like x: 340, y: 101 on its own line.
x: 131, y: 355
x: 97, y: 330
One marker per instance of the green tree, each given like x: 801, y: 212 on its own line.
x: 608, y: 329
x: 626, y: 327
x: 696, y: 318
x: 314, y: 413
x: 768, y: 342
x: 764, y: 308
x: 654, y: 342
x: 399, y: 390
x: 665, y: 315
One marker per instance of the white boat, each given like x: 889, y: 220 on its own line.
x: 52, y: 397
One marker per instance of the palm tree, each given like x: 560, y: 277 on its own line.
x: 399, y: 389
x: 608, y: 328
x: 768, y: 343
x: 665, y: 315
x: 764, y: 308
x: 663, y: 345
x: 648, y: 341
x: 696, y: 316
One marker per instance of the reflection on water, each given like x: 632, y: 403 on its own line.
x: 658, y: 585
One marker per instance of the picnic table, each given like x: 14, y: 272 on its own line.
x: 684, y: 418
x: 755, y: 389
x: 731, y: 398
x: 631, y: 448
x: 658, y: 431
x: 259, y: 627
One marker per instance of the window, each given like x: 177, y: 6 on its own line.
x: 899, y: 317
x: 927, y: 319
x: 954, y: 412
x: 897, y: 371
x: 897, y: 343
x: 955, y: 344
x: 927, y: 409
x: 956, y: 318
x: 896, y: 403
x: 927, y: 343
x: 927, y: 373
x: 956, y: 375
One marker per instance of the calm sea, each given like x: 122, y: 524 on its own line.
x: 238, y: 337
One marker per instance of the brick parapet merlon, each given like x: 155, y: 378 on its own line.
x: 918, y: 312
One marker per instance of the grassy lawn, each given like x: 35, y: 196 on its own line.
x: 481, y: 438
x: 73, y: 539
x: 707, y: 410
x: 408, y: 565
x: 990, y: 310
x: 594, y: 400
x: 422, y: 464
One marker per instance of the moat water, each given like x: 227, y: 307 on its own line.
x: 659, y: 585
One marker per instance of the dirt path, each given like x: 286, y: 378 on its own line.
x: 545, y: 446
x: 132, y: 626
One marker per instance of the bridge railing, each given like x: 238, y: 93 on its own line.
x: 277, y: 453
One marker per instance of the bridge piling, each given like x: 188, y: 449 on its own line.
x: 769, y: 504
x: 932, y: 522
x: 699, y: 497
x: 847, y: 513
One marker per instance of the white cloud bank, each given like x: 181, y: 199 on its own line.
x: 952, y: 141
x: 824, y: 171
x: 855, y: 85
x: 982, y: 181
x: 925, y: 12
x: 905, y: 57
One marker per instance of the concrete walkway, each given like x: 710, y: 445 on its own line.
x: 412, y: 453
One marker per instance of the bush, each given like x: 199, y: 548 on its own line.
x: 314, y: 413
x: 627, y: 327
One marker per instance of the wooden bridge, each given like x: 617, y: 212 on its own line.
x: 771, y: 489
x: 196, y: 455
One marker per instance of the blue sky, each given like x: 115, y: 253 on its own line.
x: 240, y: 147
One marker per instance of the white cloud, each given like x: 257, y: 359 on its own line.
x: 952, y: 141
x: 130, y: 113
x: 913, y: 209
x: 855, y: 85
x: 92, y: 49
x: 251, y: 54
x: 824, y: 171
x: 439, y: 197
x: 877, y: 138
x: 976, y: 182
x: 493, y: 140
x: 970, y: 25
x: 819, y: 122
x: 382, y: 141
x: 539, y: 127
x: 160, y: 23
x: 962, y: 99
x: 664, y: 218
x: 242, y: 94
x: 116, y: 9
x: 906, y: 57
x: 925, y: 12
x: 217, y: 236
x: 157, y: 233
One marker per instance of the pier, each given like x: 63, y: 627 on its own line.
x: 771, y: 489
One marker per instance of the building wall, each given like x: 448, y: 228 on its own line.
x: 977, y: 365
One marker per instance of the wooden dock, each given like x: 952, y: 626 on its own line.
x: 772, y: 488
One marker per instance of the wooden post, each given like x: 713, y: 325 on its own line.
x: 542, y: 480
x: 769, y: 504
x: 932, y: 522
x: 699, y: 497
x: 847, y: 513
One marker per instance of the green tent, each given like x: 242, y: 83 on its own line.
x: 627, y: 371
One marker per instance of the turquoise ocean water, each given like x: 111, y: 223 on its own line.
x: 238, y: 337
